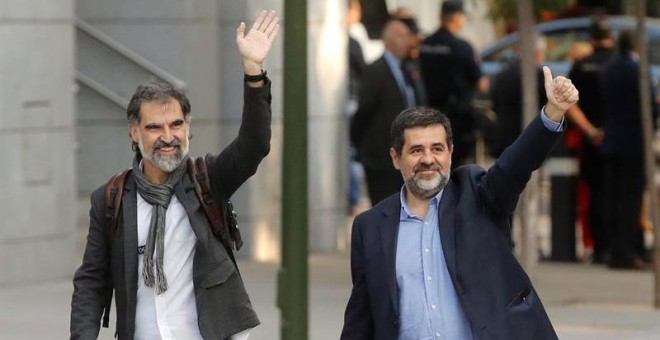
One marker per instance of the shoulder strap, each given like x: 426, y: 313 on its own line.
x: 215, y: 210
x: 112, y: 195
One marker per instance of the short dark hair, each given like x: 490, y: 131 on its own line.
x: 450, y: 7
x: 626, y: 43
x: 599, y: 29
x: 155, y: 90
x: 418, y: 117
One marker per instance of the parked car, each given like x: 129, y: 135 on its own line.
x: 560, y: 35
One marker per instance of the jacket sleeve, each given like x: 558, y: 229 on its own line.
x: 370, y: 95
x: 358, y: 319
x: 507, y: 178
x: 240, y: 159
x: 91, y: 278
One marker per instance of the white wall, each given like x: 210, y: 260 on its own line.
x: 37, y: 124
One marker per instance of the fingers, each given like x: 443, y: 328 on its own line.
x: 272, y: 25
x: 273, y: 33
x: 259, y: 21
x: 240, y: 31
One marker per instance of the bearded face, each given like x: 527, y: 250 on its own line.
x: 165, y: 156
x: 424, y: 160
x: 427, y: 180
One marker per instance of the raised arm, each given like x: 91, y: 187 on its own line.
x: 240, y: 159
x: 507, y: 178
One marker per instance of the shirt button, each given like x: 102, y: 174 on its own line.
x: 426, y: 223
x: 437, y: 334
x: 427, y: 250
x: 433, y: 306
x: 428, y: 278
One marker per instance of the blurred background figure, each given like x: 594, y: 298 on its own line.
x: 372, y: 49
x: 451, y: 72
x: 623, y: 149
x: 587, y: 117
x: 386, y: 88
x: 506, y: 96
x: 356, y: 65
x: 579, y: 50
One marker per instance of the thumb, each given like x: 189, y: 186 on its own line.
x: 548, y: 82
x: 240, y: 31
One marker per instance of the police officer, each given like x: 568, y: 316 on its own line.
x: 451, y: 73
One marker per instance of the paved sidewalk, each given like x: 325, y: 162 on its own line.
x: 584, y: 302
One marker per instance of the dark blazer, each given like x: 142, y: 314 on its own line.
x: 493, y: 289
x: 380, y: 102
x: 223, y: 306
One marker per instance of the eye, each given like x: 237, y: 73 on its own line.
x: 177, y: 123
x: 151, y: 127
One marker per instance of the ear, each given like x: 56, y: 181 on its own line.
x: 134, y: 132
x: 395, y: 158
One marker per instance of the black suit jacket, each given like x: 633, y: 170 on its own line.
x: 380, y: 102
x: 223, y: 306
x: 493, y: 289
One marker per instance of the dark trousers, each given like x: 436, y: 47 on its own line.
x: 382, y: 183
x: 592, y: 171
x: 624, y: 183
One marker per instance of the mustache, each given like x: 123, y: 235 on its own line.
x: 423, y: 167
x: 162, y: 144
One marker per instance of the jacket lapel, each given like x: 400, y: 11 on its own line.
x: 130, y: 233
x: 448, y: 228
x: 389, y: 231
x: 185, y: 193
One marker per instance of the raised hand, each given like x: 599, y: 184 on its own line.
x: 561, y: 93
x: 255, y: 45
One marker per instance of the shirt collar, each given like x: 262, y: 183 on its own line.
x: 391, y: 59
x: 405, y: 212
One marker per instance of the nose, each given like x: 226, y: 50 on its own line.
x: 427, y: 157
x: 167, y: 135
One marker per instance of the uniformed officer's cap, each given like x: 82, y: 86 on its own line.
x: 451, y: 7
x: 599, y: 29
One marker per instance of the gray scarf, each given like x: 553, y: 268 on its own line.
x: 158, y: 195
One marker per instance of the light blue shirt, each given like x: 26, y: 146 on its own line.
x: 429, y: 307
x: 395, y: 66
x: 428, y: 304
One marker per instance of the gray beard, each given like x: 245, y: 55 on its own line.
x: 167, y: 163
x: 427, y: 188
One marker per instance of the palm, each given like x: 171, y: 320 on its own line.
x: 255, y: 45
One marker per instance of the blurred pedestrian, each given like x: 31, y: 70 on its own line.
x: 386, y: 89
x: 587, y: 116
x: 435, y: 259
x: 623, y: 149
x: 172, y: 278
x: 506, y: 96
x: 451, y: 73
x: 356, y: 66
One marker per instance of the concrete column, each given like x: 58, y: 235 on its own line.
x: 37, y: 126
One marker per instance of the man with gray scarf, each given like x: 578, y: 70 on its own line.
x: 172, y: 278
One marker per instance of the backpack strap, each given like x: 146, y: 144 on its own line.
x: 213, y: 209
x: 112, y: 196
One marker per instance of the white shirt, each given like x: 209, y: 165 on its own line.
x: 173, y: 314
